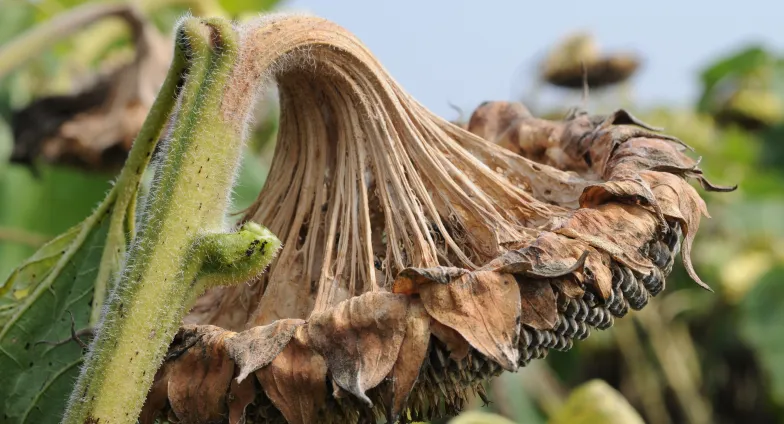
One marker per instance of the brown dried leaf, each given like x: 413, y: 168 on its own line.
x: 240, y: 396
x: 456, y: 344
x: 629, y: 188
x: 201, y: 375
x: 649, y: 153
x: 296, y: 380
x: 409, y: 279
x: 96, y: 127
x: 409, y: 361
x: 552, y: 255
x: 539, y: 309
x: 569, y: 287
x: 491, y: 120
x: 258, y: 346
x: 484, y: 307
x: 533, y: 261
x: 680, y: 201
x: 618, y: 229
x: 157, y: 398
x: 360, y: 339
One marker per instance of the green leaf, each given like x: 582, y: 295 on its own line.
x: 760, y: 326
x: 50, y: 204
x: 38, y: 377
x: 595, y: 402
x: 26, y: 278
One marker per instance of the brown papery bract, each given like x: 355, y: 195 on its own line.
x: 421, y: 259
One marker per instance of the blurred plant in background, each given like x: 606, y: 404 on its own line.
x: 68, y: 114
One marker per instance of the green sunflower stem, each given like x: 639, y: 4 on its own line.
x: 182, y: 248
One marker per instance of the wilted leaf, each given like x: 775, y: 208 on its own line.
x: 678, y: 200
x: 409, y: 361
x: 538, y: 308
x: 258, y: 346
x: 201, y: 372
x: 618, y: 229
x: 595, y: 402
x: 296, y: 380
x: 484, y: 307
x: 409, y: 279
x: 568, y: 286
x: 240, y: 396
x: 38, y: 375
x: 533, y: 261
x: 360, y: 339
x: 456, y: 344
x: 157, y: 398
x: 552, y: 255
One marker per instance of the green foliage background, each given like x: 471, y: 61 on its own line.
x: 691, y: 356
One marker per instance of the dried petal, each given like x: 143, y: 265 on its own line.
x: 360, y: 339
x: 681, y: 202
x: 410, y: 359
x: 539, y: 309
x: 568, y: 286
x: 157, y: 397
x: 296, y: 380
x: 258, y: 346
x: 240, y: 396
x: 456, y: 344
x: 200, y: 376
x: 529, y: 261
x: 618, y: 229
x: 484, y: 307
x: 409, y: 279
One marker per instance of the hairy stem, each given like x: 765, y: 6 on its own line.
x: 181, y: 240
x: 127, y: 186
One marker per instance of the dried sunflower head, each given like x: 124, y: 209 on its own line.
x: 576, y: 61
x: 420, y: 258
x: 95, y: 127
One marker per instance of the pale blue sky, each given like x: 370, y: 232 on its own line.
x: 466, y: 52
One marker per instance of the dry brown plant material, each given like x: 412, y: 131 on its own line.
x: 95, y: 127
x: 419, y: 258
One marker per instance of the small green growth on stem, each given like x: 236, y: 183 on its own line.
x: 180, y: 243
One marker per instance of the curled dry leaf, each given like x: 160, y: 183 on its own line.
x: 240, y: 396
x: 681, y: 202
x: 258, y: 346
x: 484, y: 307
x: 539, y: 309
x: 360, y: 339
x: 157, y: 398
x: 457, y: 346
x: 618, y: 229
x: 296, y: 380
x: 201, y: 372
x: 409, y: 361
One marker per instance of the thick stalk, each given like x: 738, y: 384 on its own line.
x: 181, y: 239
x: 127, y: 185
